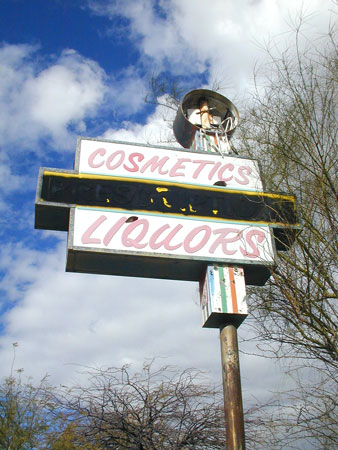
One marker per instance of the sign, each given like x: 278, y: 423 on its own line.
x: 146, y: 239
x: 164, y: 213
x: 166, y: 164
x: 213, y: 240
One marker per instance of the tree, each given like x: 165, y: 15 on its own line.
x: 28, y: 416
x: 31, y: 417
x: 154, y: 409
x: 291, y: 127
x: 161, y: 408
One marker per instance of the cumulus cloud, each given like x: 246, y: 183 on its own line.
x: 64, y: 93
x: 54, y: 100
x: 8, y: 180
x: 65, y: 321
x: 91, y: 320
x: 128, y: 91
x: 49, y: 101
x: 222, y: 38
x: 156, y: 130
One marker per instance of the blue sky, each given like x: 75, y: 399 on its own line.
x: 83, y: 68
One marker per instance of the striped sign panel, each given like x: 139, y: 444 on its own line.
x: 222, y: 296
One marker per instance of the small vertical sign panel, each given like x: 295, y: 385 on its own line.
x: 223, y: 296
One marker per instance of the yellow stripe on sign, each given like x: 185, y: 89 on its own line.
x: 288, y: 197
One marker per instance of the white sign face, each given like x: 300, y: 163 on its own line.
x: 134, y: 161
x: 156, y: 235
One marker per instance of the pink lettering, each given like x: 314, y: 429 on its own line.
x: 178, y: 165
x: 134, y: 167
x: 187, y: 241
x: 166, y: 241
x: 92, y: 156
x: 87, y: 235
x: 243, y: 171
x: 201, y: 166
x: 113, y: 230
x: 155, y: 164
x: 112, y: 157
x: 223, y: 169
x: 260, y: 237
x: 127, y: 241
x: 224, y: 241
x: 214, y: 170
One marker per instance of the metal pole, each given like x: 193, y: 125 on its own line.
x: 233, y: 406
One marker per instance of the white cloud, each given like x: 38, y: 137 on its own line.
x: 157, y: 129
x: 9, y: 181
x: 63, y: 318
x: 54, y: 101
x: 64, y: 321
x: 128, y: 91
x: 223, y: 37
x: 39, y: 102
x: 64, y: 93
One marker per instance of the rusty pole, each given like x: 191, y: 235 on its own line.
x: 233, y: 406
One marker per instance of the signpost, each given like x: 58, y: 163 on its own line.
x: 200, y: 214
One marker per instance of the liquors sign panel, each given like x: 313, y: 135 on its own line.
x: 183, y: 246
x: 156, y: 234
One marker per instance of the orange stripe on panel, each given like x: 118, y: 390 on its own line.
x: 233, y: 290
